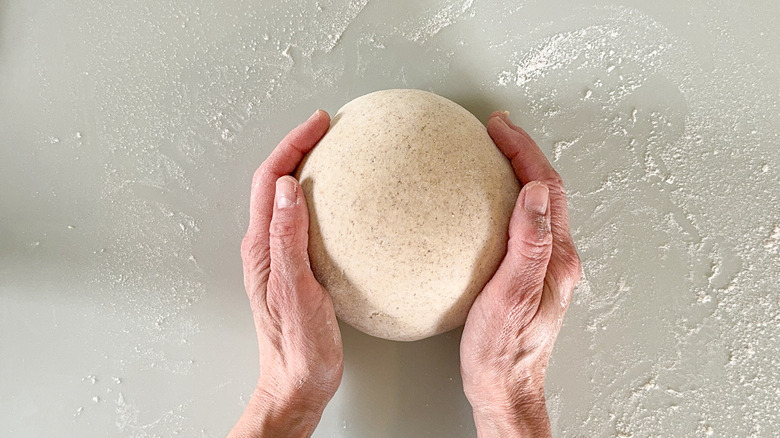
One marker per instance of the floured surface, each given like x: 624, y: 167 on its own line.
x: 128, y: 135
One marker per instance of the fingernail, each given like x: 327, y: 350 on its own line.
x: 501, y: 121
x: 536, y: 195
x: 507, y: 120
x: 313, y: 115
x: 285, y: 192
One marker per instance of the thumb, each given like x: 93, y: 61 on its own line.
x: 520, y: 277
x: 289, y: 231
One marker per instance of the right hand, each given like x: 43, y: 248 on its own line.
x: 512, y: 326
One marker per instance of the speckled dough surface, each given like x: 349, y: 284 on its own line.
x: 410, y: 202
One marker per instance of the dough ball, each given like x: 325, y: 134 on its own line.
x: 409, y: 201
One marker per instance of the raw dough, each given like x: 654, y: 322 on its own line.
x: 409, y: 201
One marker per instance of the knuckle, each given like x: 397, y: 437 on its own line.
x: 287, y: 238
x: 260, y: 174
x: 248, y: 244
x: 531, y: 266
x: 576, y: 267
x: 555, y: 183
x: 535, y: 246
x: 556, y: 179
x: 572, y: 262
x: 283, y: 231
x: 568, y: 271
x: 257, y: 175
x: 252, y: 248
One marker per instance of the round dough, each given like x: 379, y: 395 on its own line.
x: 409, y: 201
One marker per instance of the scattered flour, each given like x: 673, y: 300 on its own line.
x: 436, y: 18
x: 669, y: 161
x: 680, y: 301
x: 772, y: 243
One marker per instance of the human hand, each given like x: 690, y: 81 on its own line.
x: 301, y: 354
x: 512, y: 326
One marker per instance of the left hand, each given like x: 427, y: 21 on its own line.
x: 301, y: 354
x: 512, y: 326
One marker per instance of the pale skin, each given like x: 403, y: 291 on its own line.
x: 510, y: 330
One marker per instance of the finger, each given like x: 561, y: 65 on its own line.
x: 290, y: 276
x: 289, y: 230
x: 504, y: 115
x: 521, y: 275
x: 282, y: 161
x: 530, y: 163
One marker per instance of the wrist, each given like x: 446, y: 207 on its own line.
x: 271, y: 415
x: 528, y: 418
x: 511, y: 411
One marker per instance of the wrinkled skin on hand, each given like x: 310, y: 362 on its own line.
x: 512, y: 326
x: 301, y: 355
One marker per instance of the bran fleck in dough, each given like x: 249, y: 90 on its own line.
x: 409, y: 201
